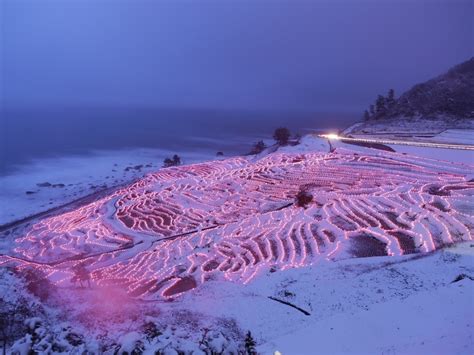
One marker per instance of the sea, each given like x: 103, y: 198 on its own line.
x: 28, y: 135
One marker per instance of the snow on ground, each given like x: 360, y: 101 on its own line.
x: 459, y: 136
x: 416, y: 126
x: 449, y: 136
x: 411, y: 307
x: 308, y: 143
x: 222, y: 247
x: 386, y: 329
x: 48, y: 183
x: 415, y: 304
x: 448, y: 155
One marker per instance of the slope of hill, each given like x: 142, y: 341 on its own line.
x: 446, y: 101
x: 223, y: 246
x: 449, y: 95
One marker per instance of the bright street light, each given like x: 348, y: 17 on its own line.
x: 331, y: 136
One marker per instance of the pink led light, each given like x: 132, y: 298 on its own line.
x: 175, y: 229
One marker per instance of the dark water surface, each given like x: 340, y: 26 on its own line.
x: 43, y: 133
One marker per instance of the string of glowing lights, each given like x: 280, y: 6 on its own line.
x: 234, y: 219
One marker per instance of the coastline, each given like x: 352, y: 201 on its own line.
x: 48, y: 185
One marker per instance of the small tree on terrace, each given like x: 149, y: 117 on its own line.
x: 282, y: 135
x: 167, y: 163
x: 303, y: 198
x: 175, y: 161
x: 258, y: 147
x: 81, y: 274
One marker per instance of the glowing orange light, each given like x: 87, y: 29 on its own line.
x: 332, y: 136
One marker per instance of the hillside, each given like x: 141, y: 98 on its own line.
x: 190, y: 258
x: 446, y: 101
x: 448, y: 95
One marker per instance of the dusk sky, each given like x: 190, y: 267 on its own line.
x: 324, y: 55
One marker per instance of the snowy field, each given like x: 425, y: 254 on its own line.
x: 48, y: 183
x: 449, y: 136
x: 416, y: 127
x: 206, y: 252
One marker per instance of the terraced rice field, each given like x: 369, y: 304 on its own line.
x: 235, y: 219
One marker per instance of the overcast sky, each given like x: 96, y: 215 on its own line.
x: 324, y: 55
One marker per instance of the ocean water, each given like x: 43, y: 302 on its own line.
x: 31, y: 135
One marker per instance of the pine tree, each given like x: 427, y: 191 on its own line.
x: 390, y: 101
x: 250, y: 344
x: 372, y: 111
x: 366, y: 115
x: 380, y: 106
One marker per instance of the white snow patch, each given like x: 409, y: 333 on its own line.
x: 20, y: 195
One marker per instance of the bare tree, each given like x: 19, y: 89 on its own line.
x: 81, y: 274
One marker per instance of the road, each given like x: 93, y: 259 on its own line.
x: 332, y: 136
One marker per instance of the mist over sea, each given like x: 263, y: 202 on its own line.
x: 28, y: 135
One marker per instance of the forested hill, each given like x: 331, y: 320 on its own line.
x: 449, y: 96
